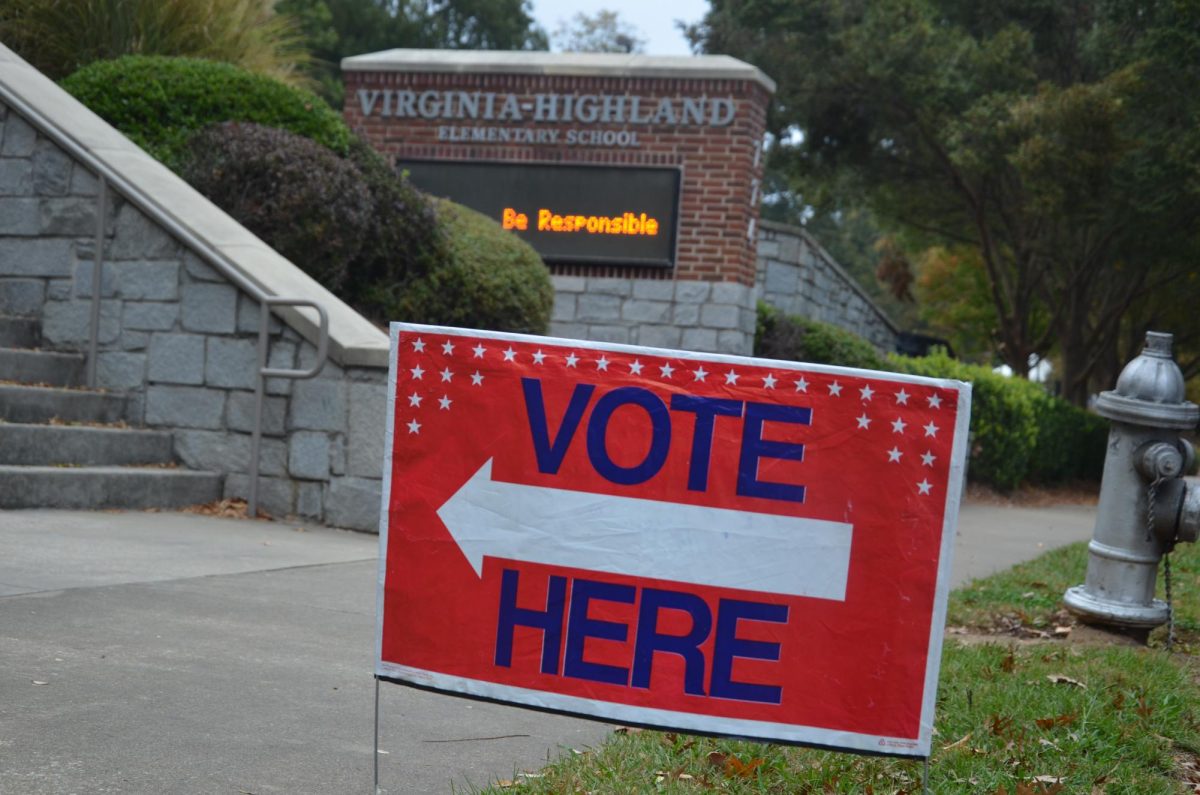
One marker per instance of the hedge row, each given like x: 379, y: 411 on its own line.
x: 1019, y: 432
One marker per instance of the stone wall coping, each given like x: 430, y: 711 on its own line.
x: 574, y: 64
x: 169, y: 201
x: 802, y: 233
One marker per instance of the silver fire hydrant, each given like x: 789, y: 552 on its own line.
x: 1146, y: 505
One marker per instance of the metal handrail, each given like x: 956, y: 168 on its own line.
x: 214, y: 256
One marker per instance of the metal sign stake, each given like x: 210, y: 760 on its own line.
x: 375, y: 754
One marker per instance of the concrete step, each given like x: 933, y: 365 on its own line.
x: 34, y: 404
x: 41, y: 367
x: 19, y: 332
x: 89, y: 488
x: 26, y: 445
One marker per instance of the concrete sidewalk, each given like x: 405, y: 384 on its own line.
x: 172, y: 653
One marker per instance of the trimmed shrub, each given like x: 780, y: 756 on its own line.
x: 307, y: 203
x: 160, y: 102
x: 491, y: 280
x: 797, y: 339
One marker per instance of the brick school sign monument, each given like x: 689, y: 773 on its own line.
x: 637, y: 178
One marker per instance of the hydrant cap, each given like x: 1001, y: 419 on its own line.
x: 1150, y: 390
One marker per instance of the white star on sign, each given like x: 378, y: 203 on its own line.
x: 835, y: 389
x: 444, y: 401
x: 417, y: 372
x: 447, y: 375
x: 418, y: 345
x: 898, y: 426
x: 700, y: 373
x: 894, y: 455
x: 731, y: 377
x: 635, y: 367
x: 935, y: 401
x: 769, y: 381
x: 476, y: 379
x: 510, y: 355
x: 924, y: 486
x: 538, y: 357
x: 479, y: 349
x: 447, y: 347
x: 572, y: 359
x: 866, y: 392
x: 414, y: 427
x: 802, y: 385
x: 931, y: 429
x: 927, y: 458
x: 602, y: 364
x: 864, y: 421
x: 414, y: 400
x: 666, y: 370
x: 902, y: 398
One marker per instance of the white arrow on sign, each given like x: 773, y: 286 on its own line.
x: 648, y: 538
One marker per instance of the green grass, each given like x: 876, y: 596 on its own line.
x: 1019, y: 719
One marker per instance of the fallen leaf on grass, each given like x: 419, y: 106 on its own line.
x: 957, y: 743
x: 1059, y: 720
x: 999, y: 724
x: 1009, y: 663
x: 1060, y: 679
x: 734, y: 766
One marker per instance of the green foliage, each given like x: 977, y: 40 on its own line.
x: 310, y: 205
x: 61, y: 36
x: 793, y: 338
x: 1019, y: 432
x: 491, y: 280
x: 161, y: 102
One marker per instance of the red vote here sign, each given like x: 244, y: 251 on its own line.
x: 709, y: 543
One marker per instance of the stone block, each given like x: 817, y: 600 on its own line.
x: 564, y: 307
x: 686, y: 314
x: 654, y: 289
x: 137, y: 237
x: 318, y: 405
x: 72, y: 216
x: 610, y: 286
x: 84, y: 182
x: 16, y: 177
x: 337, y: 454
x: 213, y: 451
x: 720, y: 316
x: 19, y: 216
x: 276, y: 496
x: 609, y: 333
x: 569, y: 284
x: 199, y: 270
x: 659, y: 336
x: 19, y: 137
x: 780, y: 278
x: 353, y: 503
x: 308, y: 455
x: 308, y: 358
x: 209, y: 307
x: 749, y: 321
x: 591, y: 306
x: 68, y: 323
x: 59, y: 289
x: 148, y: 280
x: 767, y: 247
x: 177, y: 358
x: 240, y: 413
x: 35, y: 257
x: 272, y: 457
x: 185, y: 407
x: 368, y: 416
x: 643, y: 311
x: 281, y: 357
x: 569, y: 331
x: 133, y: 340
x: 692, y: 292
x: 83, y: 280
x: 309, y: 499
x: 789, y: 248
x: 730, y: 293
x: 22, y: 296
x: 118, y: 370
x: 703, y: 340
x: 734, y: 342
x: 150, y: 316
x: 231, y: 363
x: 248, y: 317
x: 51, y: 169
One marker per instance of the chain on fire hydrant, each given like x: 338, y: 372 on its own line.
x: 1146, y: 505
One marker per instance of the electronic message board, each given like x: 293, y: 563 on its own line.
x: 702, y: 542
x: 569, y: 214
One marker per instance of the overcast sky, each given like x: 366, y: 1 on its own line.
x: 653, y: 19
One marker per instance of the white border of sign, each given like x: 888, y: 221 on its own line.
x: 666, y: 719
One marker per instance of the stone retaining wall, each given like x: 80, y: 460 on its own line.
x: 180, y: 341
